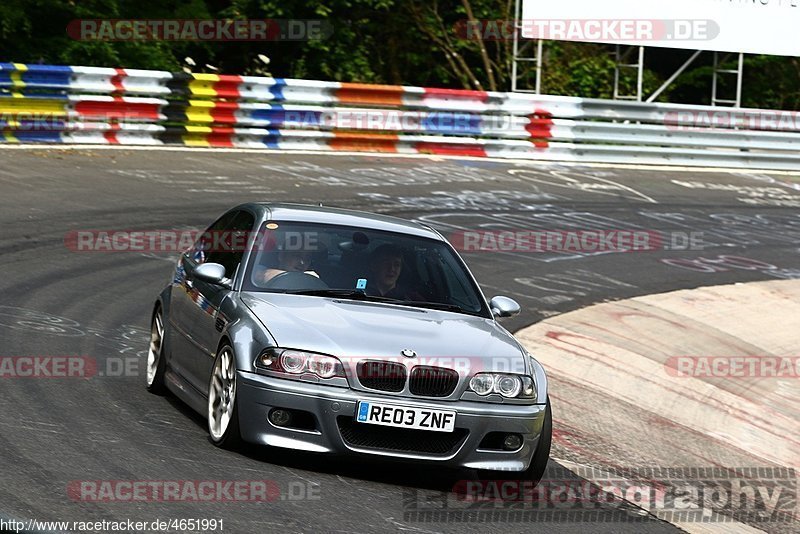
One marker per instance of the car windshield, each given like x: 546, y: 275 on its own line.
x: 346, y: 262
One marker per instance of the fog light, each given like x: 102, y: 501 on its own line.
x: 280, y: 417
x: 512, y: 442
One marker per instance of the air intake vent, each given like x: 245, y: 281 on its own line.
x: 383, y: 376
x: 366, y: 436
x: 433, y: 381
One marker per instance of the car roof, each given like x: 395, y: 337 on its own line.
x: 280, y: 211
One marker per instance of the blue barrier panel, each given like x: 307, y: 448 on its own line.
x: 35, y: 76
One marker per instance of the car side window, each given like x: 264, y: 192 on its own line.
x: 205, y: 243
x: 229, y: 240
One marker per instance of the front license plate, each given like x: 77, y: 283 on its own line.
x: 406, y: 417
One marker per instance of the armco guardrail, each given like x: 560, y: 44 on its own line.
x: 91, y: 105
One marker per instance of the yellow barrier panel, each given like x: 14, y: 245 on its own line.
x: 203, y: 84
x: 20, y: 104
x: 16, y: 76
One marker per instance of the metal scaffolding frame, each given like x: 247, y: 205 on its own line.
x: 674, y: 76
x: 738, y: 71
x: 622, y: 54
x: 518, y: 58
x: 620, y: 59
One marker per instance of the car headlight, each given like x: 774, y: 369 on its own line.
x: 323, y: 366
x: 297, y: 362
x: 482, y: 384
x: 508, y: 385
x: 293, y: 362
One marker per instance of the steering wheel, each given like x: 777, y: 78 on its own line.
x: 295, y: 280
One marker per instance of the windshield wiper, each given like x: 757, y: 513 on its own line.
x: 431, y: 305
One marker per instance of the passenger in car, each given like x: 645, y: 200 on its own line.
x: 297, y: 261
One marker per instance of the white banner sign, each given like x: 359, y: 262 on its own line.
x: 750, y: 26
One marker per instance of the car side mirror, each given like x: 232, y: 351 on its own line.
x: 503, y: 307
x: 213, y: 273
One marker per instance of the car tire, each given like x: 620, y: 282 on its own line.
x: 156, y: 363
x: 541, y: 456
x: 223, y: 406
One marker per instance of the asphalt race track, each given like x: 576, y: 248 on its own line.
x: 57, y: 432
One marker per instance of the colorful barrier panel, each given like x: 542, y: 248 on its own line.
x: 97, y: 105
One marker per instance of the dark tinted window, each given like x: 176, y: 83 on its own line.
x: 225, y: 241
x: 205, y: 243
x: 296, y: 256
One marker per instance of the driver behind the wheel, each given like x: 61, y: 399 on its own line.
x: 292, y: 261
x: 385, y: 267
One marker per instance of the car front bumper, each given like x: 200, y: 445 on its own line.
x: 334, y: 410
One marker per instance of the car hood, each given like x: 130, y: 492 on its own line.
x: 359, y: 329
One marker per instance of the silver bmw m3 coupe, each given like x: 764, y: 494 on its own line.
x: 342, y: 332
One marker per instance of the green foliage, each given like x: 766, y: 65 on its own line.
x: 772, y: 82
